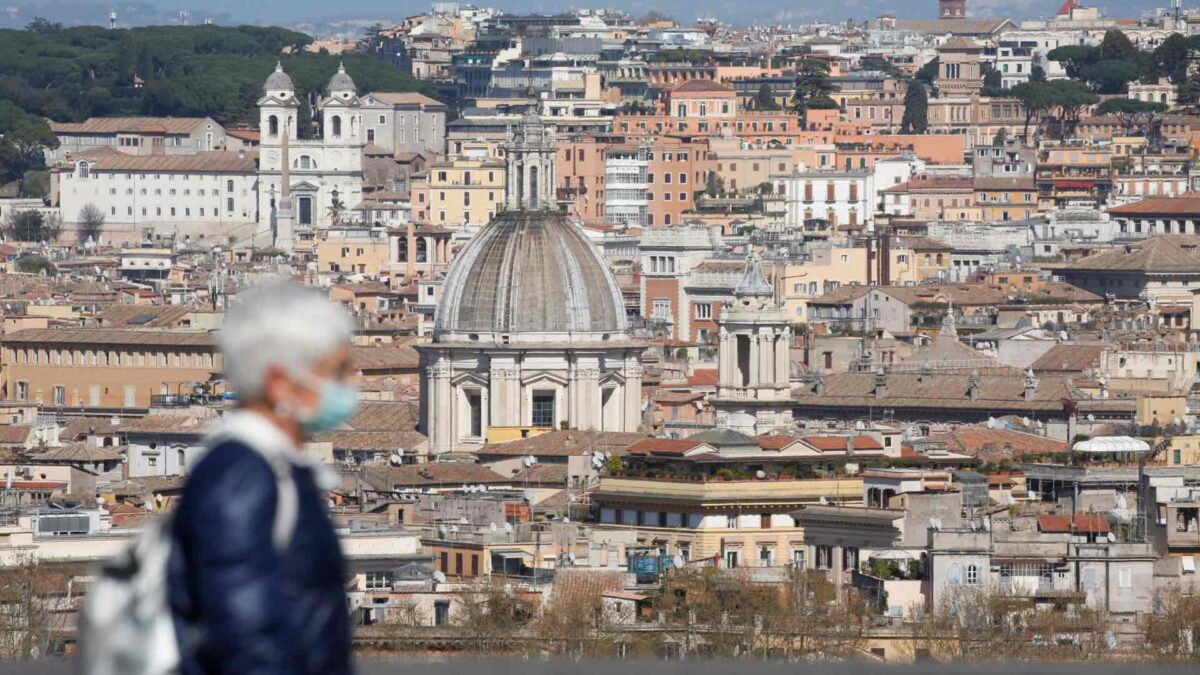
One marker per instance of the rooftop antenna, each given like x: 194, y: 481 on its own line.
x: 112, y: 19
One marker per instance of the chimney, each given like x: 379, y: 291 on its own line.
x: 973, y: 386
x: 1031, y: 384
x: 819, y: 385
x: 880, y: 383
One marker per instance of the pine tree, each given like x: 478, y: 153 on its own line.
x: 916, y: 110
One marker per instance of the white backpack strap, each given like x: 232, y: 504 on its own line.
x: 252, y: 431
x: 287, y: 503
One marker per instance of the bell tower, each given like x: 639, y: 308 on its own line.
x: 754, y: 358
x: 952, y: 9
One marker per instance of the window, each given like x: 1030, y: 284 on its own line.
x: 1125, y: 577
x: 824, y: 557
x: 60, y: 395
x: 972, y: 575
x: 703, y: 311
x: 475, y: 402
x: 542, y: 410
x: 378, y: 581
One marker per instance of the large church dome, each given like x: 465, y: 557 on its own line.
x: 529, y: 275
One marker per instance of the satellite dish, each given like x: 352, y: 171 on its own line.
x: 464, y: 521
x: 149, y: 504
x: 1025, y: 421
x: 859, y: 425
x: 439, y: 576
x: 528, y: 496
x: 1091, y: 417
x: 1121, y: 502
x: 991, y: 423
x: 454, y: 529
x: 677, y: 561
x: 528, y: 461
x: 987, y: 525
x: 760, y: 474
x: 935, y: 523
x: 1112, y: 538
x: 823, y: 501
x: 397, y: 458
x: 493, y: 527
x: 442, y: 531
x: 597, y: 462
x: 1062, y: 334
x: 571, y: 556
x: 566, y: 519
x: 508, y: 528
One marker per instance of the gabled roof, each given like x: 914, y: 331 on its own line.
x: 129, y: 125
x: 405, y: 98
x: 1069, y: 358
x: 702, y: 86
x: 1161, y: 254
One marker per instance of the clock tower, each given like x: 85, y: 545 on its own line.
x: 952, y: 9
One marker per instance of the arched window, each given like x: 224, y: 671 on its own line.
x: 939, y: 258
x: 273, y: 125
x: 421, y: 251
x: 403, y: 253
x: 336, y: 124
x: 85, y: 170
x: 954, y: 574
x: 533, y: 187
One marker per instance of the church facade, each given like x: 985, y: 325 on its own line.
x: 530, y: 332
x: 321, y: 170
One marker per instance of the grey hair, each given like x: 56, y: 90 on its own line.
x: 278, y: 324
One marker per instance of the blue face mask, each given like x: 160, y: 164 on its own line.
x: 338, y: 403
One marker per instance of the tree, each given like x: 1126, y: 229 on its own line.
x: 336, y: 210
x: 1035, y: 99
x: 1173, y: 632
x: 765, y: 98
x: 993, y: 82
x: 916, y: 109
x: 1037, y: 74
x: 1131, y: 112
x: 24, y: 138
x: 1116, y: 47
x: 32, y: 610
x: 490, y: 615
x: 813, y: 87
x: 714, y: 185
x: 1000, y: 138
x: 928, y: 73
x: 43, y: 26
x: 1074, y: 58
x: 730, y: 614
x: 91, y: 223
x: 1171, y: 58
x: 31, y: 226
x: 1070, y: 99
x: 36, y: 264
x: 1112, y: 76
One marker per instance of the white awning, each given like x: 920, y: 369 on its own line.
x: 1111, y: 444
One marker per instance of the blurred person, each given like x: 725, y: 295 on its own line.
x: 256, y: 580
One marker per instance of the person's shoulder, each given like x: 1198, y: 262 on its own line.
x: 230, y: 464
